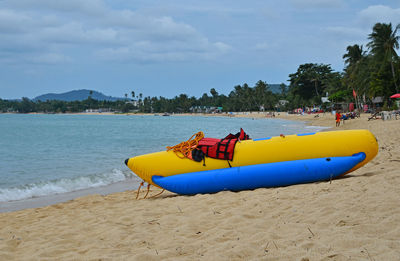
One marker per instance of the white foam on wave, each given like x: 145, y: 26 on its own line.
x: 58, y: 186
x: 316, y: 128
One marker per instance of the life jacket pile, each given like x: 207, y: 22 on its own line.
x: 218, y: 148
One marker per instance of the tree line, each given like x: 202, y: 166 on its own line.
x: 242, y: 98
x: 368, y: 73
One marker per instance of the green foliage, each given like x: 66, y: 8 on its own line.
x: 340, y: 96
x: 385, y: 106
x: 375, y: 73
x: 243, y: 98
x: 371, y: 74
x: 246, y: 98
x: 311, y: 82
x: 354, y: 54
x: 394, y: 106
x: 383, y: 44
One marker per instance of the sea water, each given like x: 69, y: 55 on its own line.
x: 44, y: 155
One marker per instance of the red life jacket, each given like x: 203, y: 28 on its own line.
x: 221, y: 148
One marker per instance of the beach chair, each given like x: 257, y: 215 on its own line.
x: 397, y: 114
x: 374, y: 116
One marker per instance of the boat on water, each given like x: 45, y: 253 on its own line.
x: 256, y: 163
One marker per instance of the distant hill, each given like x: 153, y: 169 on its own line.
x: 275, y: 88
x: 76, y: 95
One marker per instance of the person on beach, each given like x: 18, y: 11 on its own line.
x: 338, y: 117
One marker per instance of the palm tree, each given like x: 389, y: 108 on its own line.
x: 140, y: 99
x: 355, y: 59
x: 354, y: 54
x: 384, y: 43
x: 90, y: 99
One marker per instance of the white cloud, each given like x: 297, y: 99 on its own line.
x: 222, y: 47
x: 141, y: 55
x: 216, y: 8
x: 49, y: 58
x: 123, y: 34
x: 147, y: 51
x: 76, y: 6
x: 76, y: 33
x: 165, y: 28
x: 12, y: 22
x: 379, y: 14
x: 262, y: 46
x: 348, y: 33
x: 317, y: 3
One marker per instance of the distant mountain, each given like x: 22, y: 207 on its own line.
x: 276, y: 88
x: 76, y: 95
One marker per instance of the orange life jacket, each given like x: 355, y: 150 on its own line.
x: 218, y: 148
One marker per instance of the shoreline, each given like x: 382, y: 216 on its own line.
x: 325, y: 119
x: 355, y: 217
x: 52, y: 199
x: 310, y: 119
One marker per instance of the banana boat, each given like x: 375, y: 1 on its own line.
x: 264, y: 162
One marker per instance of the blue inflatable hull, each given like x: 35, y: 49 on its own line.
x: 259, y: 176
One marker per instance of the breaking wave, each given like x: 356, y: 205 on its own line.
x: 58, y: 186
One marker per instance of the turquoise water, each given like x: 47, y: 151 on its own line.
x: 42, y: 155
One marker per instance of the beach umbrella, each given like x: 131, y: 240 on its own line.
x: 397, y: 95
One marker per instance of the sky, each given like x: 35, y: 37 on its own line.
x: 165, y: 48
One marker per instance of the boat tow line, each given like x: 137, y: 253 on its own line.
x: 147, y: 192
x: 186, y: 147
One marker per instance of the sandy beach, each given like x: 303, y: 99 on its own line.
x: 353, y: 218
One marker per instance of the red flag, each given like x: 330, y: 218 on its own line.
x: 354, y: 94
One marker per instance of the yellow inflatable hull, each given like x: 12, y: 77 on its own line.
x: 259, y: 151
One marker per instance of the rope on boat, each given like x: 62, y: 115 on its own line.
x: 138, y: 191
x: 157, y: 194
x: 147, y: 192
x: 183, y: 149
